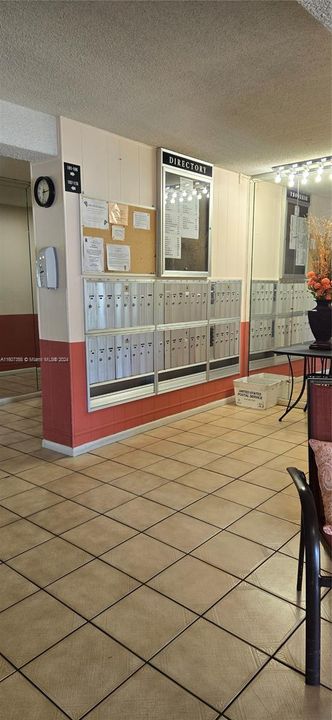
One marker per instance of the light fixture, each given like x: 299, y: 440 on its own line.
x: 302, y: 170
x: 194, y: 191
x: 199, y: 196
x: 204, y: 191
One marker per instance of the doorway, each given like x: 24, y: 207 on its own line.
x: 19, y: 342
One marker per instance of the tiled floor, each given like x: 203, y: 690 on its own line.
x: 154, y: 579
x: 19, y: 382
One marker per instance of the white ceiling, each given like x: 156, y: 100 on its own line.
x: 243, y: 84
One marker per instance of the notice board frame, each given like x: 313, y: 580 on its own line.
x: 142, y: 243
x: 193, y: 170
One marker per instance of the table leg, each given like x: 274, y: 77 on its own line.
x: 291, y: 405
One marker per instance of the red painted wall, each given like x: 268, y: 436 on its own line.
x: 18, y: 339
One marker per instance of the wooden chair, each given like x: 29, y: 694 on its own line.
x: 312, y: 522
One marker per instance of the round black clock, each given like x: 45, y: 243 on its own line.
x: 44, y: 191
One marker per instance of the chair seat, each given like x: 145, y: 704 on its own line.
x: 327, y: 540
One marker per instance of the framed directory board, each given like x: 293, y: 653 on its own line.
x: 185, y: 194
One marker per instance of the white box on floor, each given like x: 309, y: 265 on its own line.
x: 257, y: 391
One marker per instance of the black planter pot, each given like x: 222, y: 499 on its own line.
x: 320, y: 321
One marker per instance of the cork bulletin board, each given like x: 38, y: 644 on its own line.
x: 131, y: 232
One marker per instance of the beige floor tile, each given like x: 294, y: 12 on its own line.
x: 107, y: 471
x: 278, y: 692
x: 219, y: 446
x: 49, y: 455
x: 282, y: 462
x: 145, y: 621
x: 267, y: 477
x: 187, y: 425
x: 293, y: 652
x: 140, y: 513
x: 244, y: 493
x: 291, y: 490
x: 232, y: 553
x: 26, y: 629
x: 211, y: 431
x: 9, y: 437
x: 13, y: 587
x: 104, y: 498
x: 283, y: 506
x: 6, y: 453
x: 108, y: 452
x: 169, y: 469
x: 20, y: 536
x: 5, y: 670
x: 3, y: 474
x: 6, y: 517
x: 240, y: 437
x: 99, y: 535
x: 278, y: 575
x: 251, y: 614
x: 183, y: 532
x: 92, y: 588
x: 19, y: 699
x: 291, y: 435
x: 31, y: 501
x: 194, y: 584
x: 28, y: 446
x: 44, y: 473
x: 252, y: 455
x: 326, y: 607
x: 64, y: 516
x: 292, y: 549
x: 195, y: 456
x: 203, y: 659
x: 204, y: 480
x: 163, y: 432
x: 75, y: 464
x: 265, y: 529
x: 230, y: 466
x: 140, y: 441
x: 138, y: 458
x: 188, y: 439
x: 72, y: 485
x: 175, y: 495
x: 216, y: 511
x: 142, y: 557
x: 50, y: 561
x: 139, y: 482
x: 81, y: 670
x: 159, y: 699
x: 276, y: 446
x: 229, y: 423
x: 300, y: 453
x: 12, y: 485
x: 165, y: 448
x: 256, y: 428
x: 18, y: 464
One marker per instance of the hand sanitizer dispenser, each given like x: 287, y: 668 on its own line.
x: 47, y: 268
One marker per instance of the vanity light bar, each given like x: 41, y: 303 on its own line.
x: 303, y: 168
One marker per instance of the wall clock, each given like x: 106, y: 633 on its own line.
x: 44, y: 191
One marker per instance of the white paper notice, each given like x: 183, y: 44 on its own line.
x: 141, y: 220
x: 93, y: 254
x: 118, y: 213
x: 293, y: 232
x: 302, y: 242
x: 118, y: 232
x: 189, y: 211
x: 94, y: 213
x: 118, y: 257
x: 172, y: 230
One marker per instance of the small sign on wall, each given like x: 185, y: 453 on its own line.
x: 72, y: 178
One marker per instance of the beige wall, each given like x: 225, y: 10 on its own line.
x: 15, y: 275
x: 268, y: 230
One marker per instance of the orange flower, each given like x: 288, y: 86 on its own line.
x: 317, y: 285
x: 325, y: 281
x: 311, y: 274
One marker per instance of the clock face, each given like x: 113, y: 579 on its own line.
x: 44, y: 191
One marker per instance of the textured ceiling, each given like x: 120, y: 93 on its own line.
x: 243, y: 84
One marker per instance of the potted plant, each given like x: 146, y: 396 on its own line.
x: 319, y: 281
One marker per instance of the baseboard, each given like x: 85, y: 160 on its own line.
x: 110, y: 439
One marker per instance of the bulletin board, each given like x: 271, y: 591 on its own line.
x: 140, y: 240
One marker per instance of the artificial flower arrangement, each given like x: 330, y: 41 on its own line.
x: 319, y: 280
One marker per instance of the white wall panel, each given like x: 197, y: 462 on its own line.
x: 269, y: 219
x: 129, y: 154
x: 147, y: 176
x: 94, y: 169
x: 114, y: 167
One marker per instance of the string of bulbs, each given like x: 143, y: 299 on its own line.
x: 303, y: 169
x: 174, y: 193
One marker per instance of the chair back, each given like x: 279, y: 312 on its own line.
x: 319, y: 428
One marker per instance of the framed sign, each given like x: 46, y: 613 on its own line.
x: 296, y: 234
x: 185, y: 193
